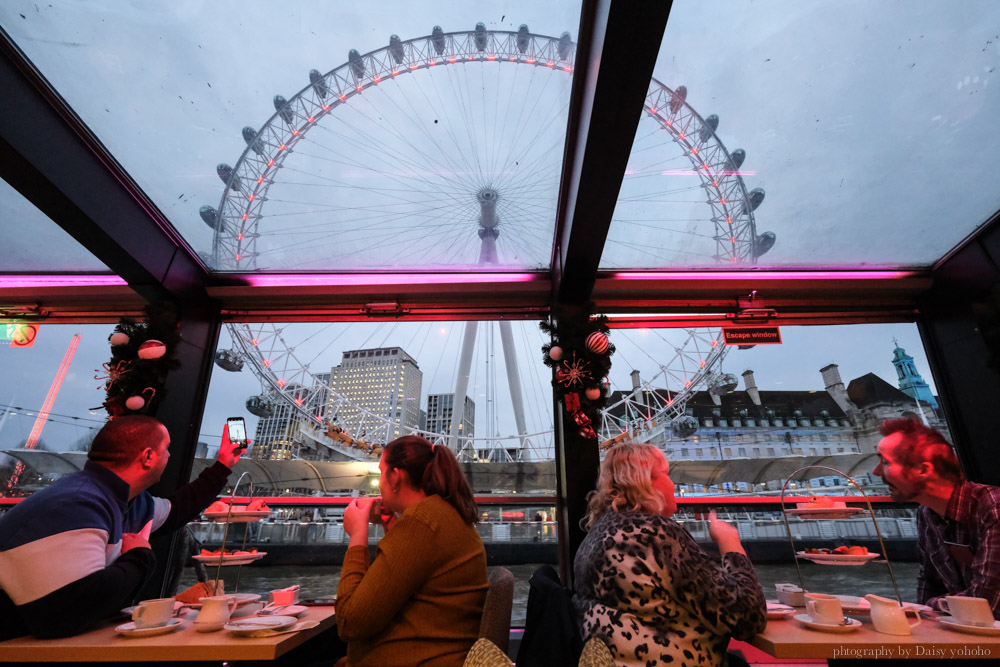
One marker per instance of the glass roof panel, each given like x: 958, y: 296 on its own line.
x: 32, y: 243
x: 422, y: 151
x: 870, y: 126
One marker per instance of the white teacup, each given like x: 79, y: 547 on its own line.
x: 968, y: 611
x: 824, y: 608
x: 153, y: 613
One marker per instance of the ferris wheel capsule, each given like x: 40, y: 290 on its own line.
x: 250, y: 136
x: 677, y: 99
x: 480, y: 37
x: 396, y: 49
x: 736, y: 158
x: 724, y: 384
x: 522, y: 38
x: 357, y: 63
x: 318, y: 83
x: 710, y: 126
x: 225, y: 172
x: 229, y: 360
x: 260, y: 406
x: 754, y: 199
x: 210, y: 215
x: 285, y: 111
x: 763, y: 243
x: 437, y: 39
x: 685, y: 427
x: 565, y: 46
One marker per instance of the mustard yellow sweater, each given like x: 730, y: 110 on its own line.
x: 420, y: 602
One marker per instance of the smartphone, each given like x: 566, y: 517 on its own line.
x: 237, y: 431
x: 318, y: 602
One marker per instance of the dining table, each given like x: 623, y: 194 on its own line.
x: 789, y: 638
x: 105, y: 644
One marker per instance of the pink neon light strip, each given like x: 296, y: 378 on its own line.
x: 764, y: 275
x: 12, y: 281
x: 286, y: 280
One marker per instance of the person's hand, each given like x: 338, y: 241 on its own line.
x: 356, y: 519
x: 229, y: 453
x: 724, y: 535
x: 133, y: 541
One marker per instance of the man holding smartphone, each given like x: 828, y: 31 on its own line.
x: 78, y: 551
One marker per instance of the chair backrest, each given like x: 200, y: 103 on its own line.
x: 551, y: 631
x: 596, y: 654
x: 485, y: 653
x: 495, y: 625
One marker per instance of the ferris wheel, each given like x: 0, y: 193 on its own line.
x: 445, y: 152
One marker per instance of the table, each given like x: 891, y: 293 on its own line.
x: 790, y: 639
x: 106, y: 645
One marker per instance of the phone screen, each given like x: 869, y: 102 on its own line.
x: 237, y: 431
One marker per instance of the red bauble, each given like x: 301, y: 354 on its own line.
x: 152, y: 349
x: 593, y: 393
x: 597, y: 343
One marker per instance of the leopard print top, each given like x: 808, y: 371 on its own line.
x: 655, y: 597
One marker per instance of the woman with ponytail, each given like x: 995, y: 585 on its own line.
x: 421, y: 600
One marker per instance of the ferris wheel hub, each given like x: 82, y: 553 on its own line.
x: 487, y: 198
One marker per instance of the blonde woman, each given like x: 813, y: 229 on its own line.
x: 644, y: 586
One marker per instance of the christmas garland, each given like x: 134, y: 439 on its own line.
x: 141, y: 355
x: 580, y: 354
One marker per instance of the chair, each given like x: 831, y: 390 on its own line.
x: 495, y: 625
x: 485, y: 653
x: 551, y: 630
x: 596, y: 654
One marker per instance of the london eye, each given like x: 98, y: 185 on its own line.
x: 444, y: 153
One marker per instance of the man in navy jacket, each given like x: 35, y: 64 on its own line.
x: 78, y: 551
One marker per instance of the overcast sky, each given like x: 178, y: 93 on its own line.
x: 871, y: 125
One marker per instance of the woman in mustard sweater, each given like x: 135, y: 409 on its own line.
x: 420, y: 602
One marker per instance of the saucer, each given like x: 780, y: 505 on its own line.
x: 777, y: 611
x: 805, y: 620
x: 258, y: 623
x: 950, y: 623
x: 129, y: 629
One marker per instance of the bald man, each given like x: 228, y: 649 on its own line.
x: 78, y: 551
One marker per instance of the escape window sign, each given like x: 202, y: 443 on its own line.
x: 751, y: 335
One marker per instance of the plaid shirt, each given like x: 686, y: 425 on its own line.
x: 973, y: 519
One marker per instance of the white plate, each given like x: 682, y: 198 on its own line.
x: 257, y: 623
x: 952, y: 624
x: 807, y: 621
x: 232, y: 559
x: 839, y: 559
x: 826, y: 512
x: 779, y: 612
x: 177, y: 606
x: 129, y: 629
x: 291, y: 610
x: 237, y: 516
x: 241, y: 599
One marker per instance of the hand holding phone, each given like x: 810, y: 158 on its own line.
x: 237, y: 432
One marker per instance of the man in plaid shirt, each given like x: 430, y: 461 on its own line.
x: 958, y: 522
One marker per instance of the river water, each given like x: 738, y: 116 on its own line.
x: 321, y: 581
